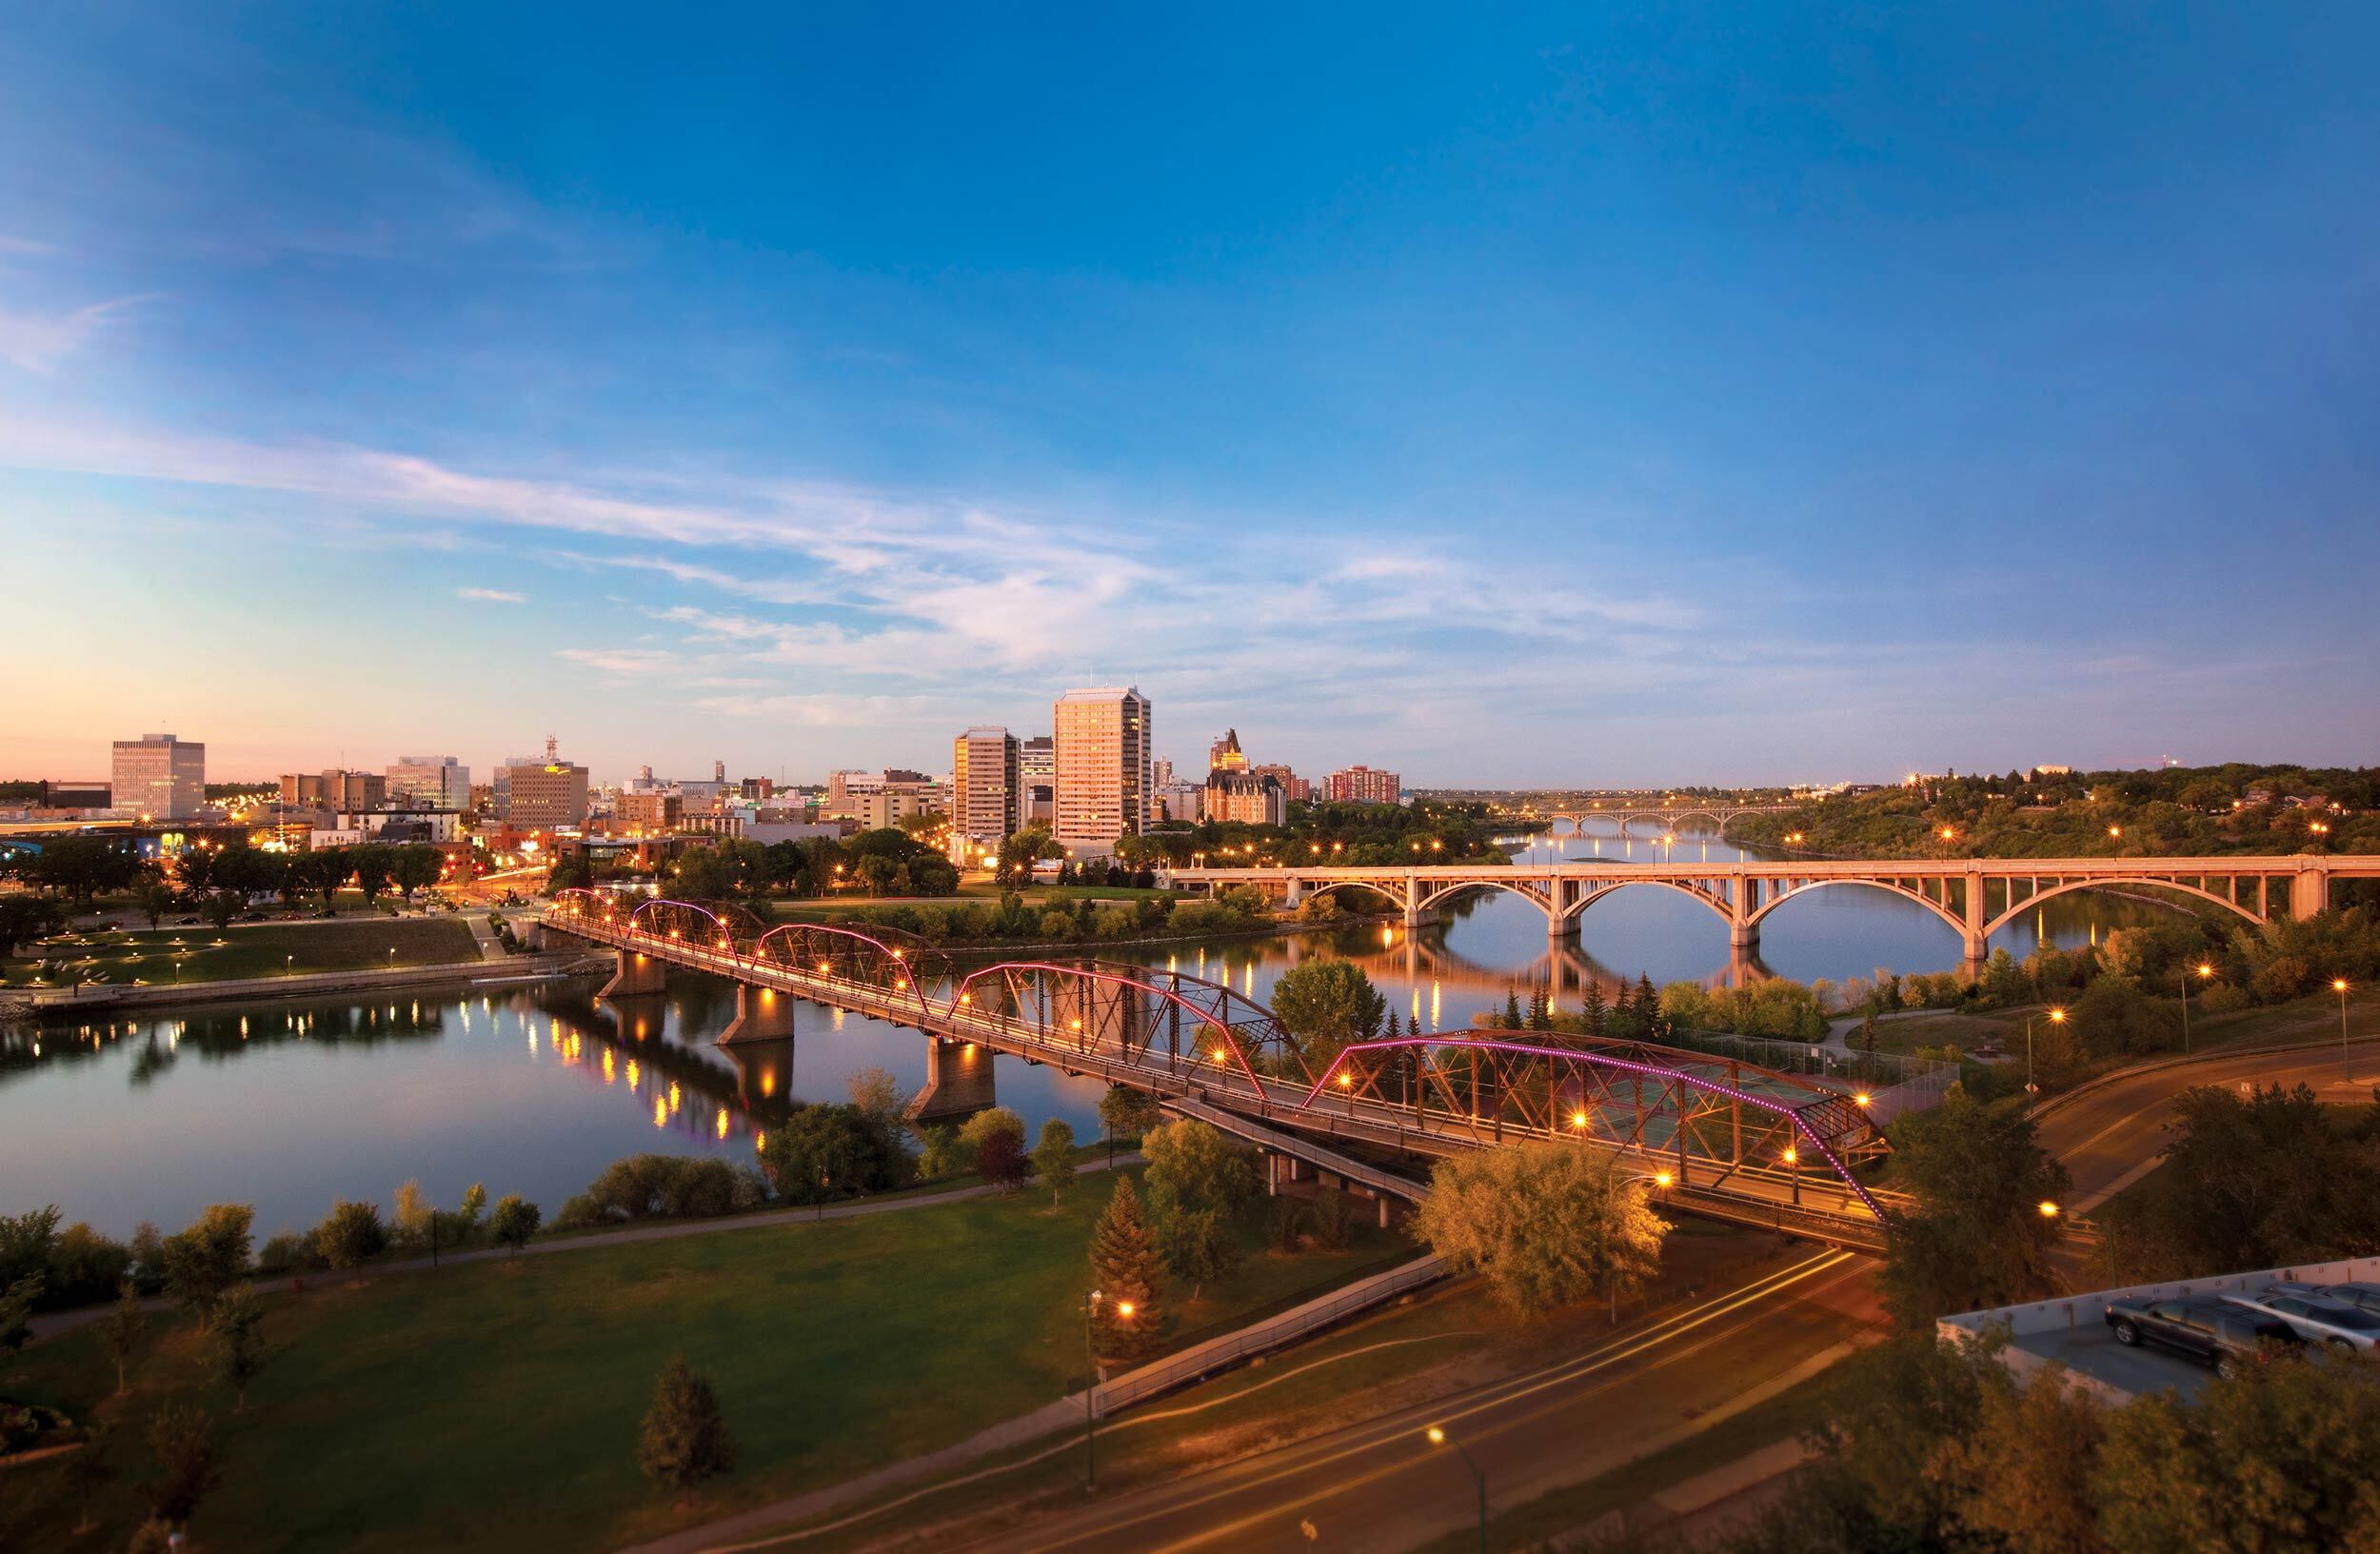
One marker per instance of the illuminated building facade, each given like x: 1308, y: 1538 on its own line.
x: 159, y: 777
x: 1102, y: 750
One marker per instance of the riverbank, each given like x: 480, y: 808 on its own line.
x: 101, y: 998
x: 835, y: 1349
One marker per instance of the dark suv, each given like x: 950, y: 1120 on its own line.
x: 2217, y: 1332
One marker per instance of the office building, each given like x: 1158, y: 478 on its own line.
x: 501, y: 784
x: 543, y: 795
x: 654, y: 813
x: 159, y: 777
x: 1361, y: 785
x: 338, y: 788
x: 983, y: 789
x: 1102, y: 756
x: 430, y: 782
x: 1037, y: 780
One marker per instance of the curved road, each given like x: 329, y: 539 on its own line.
x: 1379, y: 1486
x: 2109, y: 1137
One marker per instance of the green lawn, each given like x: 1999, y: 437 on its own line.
x: 495, y: 1405
x: 204, y: 954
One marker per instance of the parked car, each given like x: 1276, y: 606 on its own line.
x: 2367, y: 1296
x: 2217, y: 1332
x: 2315, y: 1320
x: 2293, y: 1287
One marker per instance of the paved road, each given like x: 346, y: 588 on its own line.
x: 1380, y: 1487
x: 2109, y: 1137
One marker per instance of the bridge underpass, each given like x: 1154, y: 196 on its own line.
x: 1719, y: 1137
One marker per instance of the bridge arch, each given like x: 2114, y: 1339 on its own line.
x: 1788, y: 1115
x: 1393, y: 889
x: 1218, y: 1014
x: 1577, y: 908
x: 1892, y: 887
x: 2019, y: 910
x: 671, y: 919
x: 1444, y: 891
x: 890, y: 961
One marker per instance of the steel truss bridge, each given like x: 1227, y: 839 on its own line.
x: 1719, y: 1137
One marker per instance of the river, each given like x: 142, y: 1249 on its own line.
x: 533, y: 1089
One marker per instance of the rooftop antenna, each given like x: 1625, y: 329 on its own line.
x: 550, y: 743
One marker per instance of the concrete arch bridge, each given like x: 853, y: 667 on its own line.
x: 1720, y: 1136
x: 1572, y: 821
x: 1976, y: 897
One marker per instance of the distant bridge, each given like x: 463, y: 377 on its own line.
x: 1718, y: 1137
x: 1667, y: 816
x: 1976, y: 897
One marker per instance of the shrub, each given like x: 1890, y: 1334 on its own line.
x: 1000, y: 1158
x: 514, y: 1222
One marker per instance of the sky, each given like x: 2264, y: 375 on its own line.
x: 1579, y: 395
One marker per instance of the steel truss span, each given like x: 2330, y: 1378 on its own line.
x: 1720, y: 1136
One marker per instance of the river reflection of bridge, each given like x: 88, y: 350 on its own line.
x: 1565, y: 968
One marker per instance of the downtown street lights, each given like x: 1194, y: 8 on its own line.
x: 1438, y: 1437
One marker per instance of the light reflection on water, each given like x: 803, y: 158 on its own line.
x: 533, y: 1089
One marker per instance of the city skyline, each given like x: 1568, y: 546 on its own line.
x: 1715, y: 402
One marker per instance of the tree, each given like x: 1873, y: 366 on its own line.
x: 157, y: 899
x: 1512, y: 1020
x: 326, y: 870
x: 1977, y: 1236
x: 1000, y: 1159
x: 124, y: 1331
x: 1126, y: 1113
x: 683, y: 1439
x: 205, y: 1260
x: 1546, y: 1224
x: 24, y: 917
x: 514, y: 1222
x: 982, y: 1125
x: 416, y: 868
x: 1126, y: 1268
x: 1197, y: 1181
x: 1053, y: 1158
x: 182, y: 1441
x: 16, y: 1310
x: 2254, y: 1182
x: 239, y: 1342
x: 87, y: 1472
x: 1020, y: 852
x: 351, y: 1235
x: 2030, y: 1466
x: 372, y: 864
x: 879, y: 1096
x: 828, y: 1151
x: 1333, y: 1220
x: 1325, y: 1005
x: 1593, y: 1011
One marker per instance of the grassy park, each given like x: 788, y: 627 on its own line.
x: 495, y: 1405
x: 202, y: 953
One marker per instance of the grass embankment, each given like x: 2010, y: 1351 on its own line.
x: 204, y: 954
x: 495, y: 1405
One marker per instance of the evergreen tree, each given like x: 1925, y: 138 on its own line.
x: 1127, y: 1269
x: 1656, y: 1026
x: 1540, y: 1010
x: 1624, y: 1013
x: 684, y: 1438
x: 1594, y: 1007
x: 1512, y: 1009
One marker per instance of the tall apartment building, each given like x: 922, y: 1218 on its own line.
x: 1037, y: 780
x: 545, y: 793
x: 1103, y: 735
x: 159, y: 777
x: 1296, y: 789
x: 430, y: 782
x: 983, y: 789
x: 1361, y: 785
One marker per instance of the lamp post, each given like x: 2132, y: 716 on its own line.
x: 2338, y: 986
x: 1438, y: 1437
x: 2204, y: 971
x: 2058, y: 1017
x: 1091, y: 1387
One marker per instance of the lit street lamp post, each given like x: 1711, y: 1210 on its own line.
x: 2347, y: 1075
x: 2058, y: 1017
x: 2204, y: 971
x: 1091, y: 1385
x: 1438, y: 1437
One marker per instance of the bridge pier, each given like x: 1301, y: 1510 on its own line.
x: 957, y: 1082
x: 2310, y: 892
x: 637, y: 973
x: 763, y: 1014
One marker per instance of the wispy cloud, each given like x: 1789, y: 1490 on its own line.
x: 494, y: 596
x: 38, y: 342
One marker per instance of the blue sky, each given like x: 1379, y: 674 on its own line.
x: 1727, y: 394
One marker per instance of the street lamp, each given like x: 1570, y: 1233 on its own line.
x: 2058, y: 1017
x: 1091, y: 1389
x: 2205, y: 971
x: 2338, y: 986
x: 1438, y: 1437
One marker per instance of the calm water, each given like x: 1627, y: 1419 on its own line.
x: 533, y: 1089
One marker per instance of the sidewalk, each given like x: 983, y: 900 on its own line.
x: 55, y: 1323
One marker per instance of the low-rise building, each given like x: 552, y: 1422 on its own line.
x: 1361, y: 785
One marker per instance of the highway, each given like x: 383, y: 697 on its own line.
x: 1379, y: 1486
x: 2108, y: 1138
